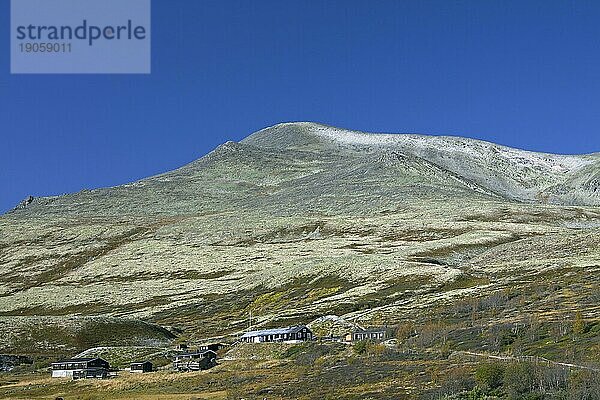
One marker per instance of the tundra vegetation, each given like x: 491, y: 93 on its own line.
x: 484, y: 260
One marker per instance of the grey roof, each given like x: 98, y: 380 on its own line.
x: 140, y: 362
x: 78, y: 360
x: 276, y: 331
x: 195, y: 353
x: 370, y: 330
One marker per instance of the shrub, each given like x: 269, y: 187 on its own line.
x: 584, y: 385
x: 489, y: 376
x: 361, y: 347
x: 518, y: 380
x: 458, y: 380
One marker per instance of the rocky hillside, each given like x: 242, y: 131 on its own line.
x: 298, y: 221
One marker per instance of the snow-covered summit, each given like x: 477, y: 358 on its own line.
x: 515, y: 173
x: 295, y: 133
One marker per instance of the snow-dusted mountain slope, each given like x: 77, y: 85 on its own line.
x: 511, y: 173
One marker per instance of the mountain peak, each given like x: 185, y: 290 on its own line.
x: 288, y: 135
x: 516, y: 174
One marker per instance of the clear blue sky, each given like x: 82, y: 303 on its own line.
x: 519, y: 73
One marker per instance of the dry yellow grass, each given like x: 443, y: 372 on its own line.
x: 116, y: 388
x: 188, y: 396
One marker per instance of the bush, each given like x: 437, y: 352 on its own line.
x: 458, y: 381
x: 584, y: 385
x: 489, y: 376
x: 518, y: 380
x: 361, y: 347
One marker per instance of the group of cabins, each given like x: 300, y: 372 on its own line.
x: 86, y: 368
x: 205, y: 356
x: 302, y: 333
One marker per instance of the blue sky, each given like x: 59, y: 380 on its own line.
x: 520, y: 73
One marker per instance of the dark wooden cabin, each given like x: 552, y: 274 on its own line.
x: 291, y: 334
x: 195, y: 361
x: 80, y: 368
x: 141, y: 367
x: 212, y: 346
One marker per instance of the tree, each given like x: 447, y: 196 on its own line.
x: 578, y: 324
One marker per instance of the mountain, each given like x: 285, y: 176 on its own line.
x: 298, y: 163
x: 299, y: 221
x: 480, y: 166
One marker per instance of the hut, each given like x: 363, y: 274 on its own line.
x: 141, y: 367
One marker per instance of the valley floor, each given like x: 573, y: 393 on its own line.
x: 324, y: 371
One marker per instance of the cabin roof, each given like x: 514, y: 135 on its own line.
x: 140, y: 362
x: 78, y: 360
x: 370, y: 330
x: 195, y: 353
x: 276, y: 331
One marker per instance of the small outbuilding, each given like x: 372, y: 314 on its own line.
x: 292, y: 334
x: 140, y: 367
x: 81, y: 368
x: 332, y: 338
x: 196, y: 361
